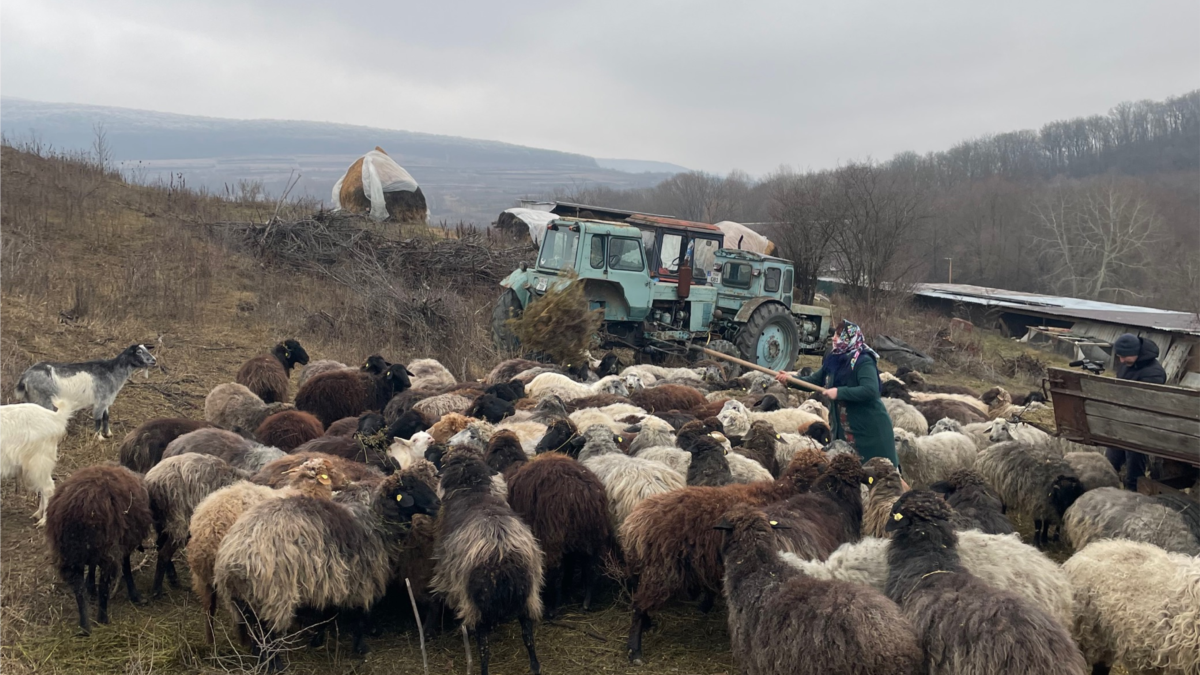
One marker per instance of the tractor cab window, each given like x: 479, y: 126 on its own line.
x: 771, y: 280
x: 596, y: 253
x: 671, y: 254
x: 736, y: 275
x: 625, y: 254
x: 558, y: 249
x: 704, y: 256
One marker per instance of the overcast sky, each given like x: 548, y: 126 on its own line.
x: 709, y: 85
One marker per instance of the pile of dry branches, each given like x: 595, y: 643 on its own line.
x: 327, y: 241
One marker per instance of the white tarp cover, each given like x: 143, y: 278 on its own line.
x: 750, y: 240
x: 381, y: 174
x: 535, y: 219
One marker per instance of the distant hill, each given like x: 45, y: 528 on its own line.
x: 463, y: 179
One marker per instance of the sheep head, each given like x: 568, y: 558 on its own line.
x: 946, y: 424
x: 402, y: 496
x: 922, y: 517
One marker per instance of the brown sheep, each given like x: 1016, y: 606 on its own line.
x: 97, y: 517
x: 275, y: 474
x: 759, y: 444
x: 917, y: 382
x: 289, y: 429
x: 668, y: 397
x: 343, y: 427
x: 218, y: 512
x: 143, y: 447
x: 268, y: 375
x: 885, y: 489
x: 566, y: 507
x: 670, y: 541
x: 594, y: 401
x: 444, y: 429
x: 332, y: 396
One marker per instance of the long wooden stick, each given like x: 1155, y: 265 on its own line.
x: 754, y: 366
x: 420, y: 624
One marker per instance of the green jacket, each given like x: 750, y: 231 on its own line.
x: 869, y: 420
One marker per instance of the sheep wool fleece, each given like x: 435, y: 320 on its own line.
x: 869, y: 421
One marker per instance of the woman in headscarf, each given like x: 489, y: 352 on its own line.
x: 851, y: 379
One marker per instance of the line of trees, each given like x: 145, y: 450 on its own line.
x: 1105, y: 207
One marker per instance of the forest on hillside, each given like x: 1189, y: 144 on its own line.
x: 1105, y: 207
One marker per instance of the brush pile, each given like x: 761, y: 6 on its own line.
x: 559, y: 324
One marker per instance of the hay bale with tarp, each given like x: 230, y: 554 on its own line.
x: 517, y: 221
x: 376, y: 185
x: 741, y: 237
x: 559, y: 324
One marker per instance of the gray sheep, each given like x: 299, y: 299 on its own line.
x: 1112, y: 513
x: 1033, y: 480
x: 925, y: 460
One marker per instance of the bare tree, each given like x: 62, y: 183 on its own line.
x: 101, y: 150
x: 880, y: 210
x: 1096, y: 237
x: 804, y: 213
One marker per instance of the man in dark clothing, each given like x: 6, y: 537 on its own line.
x: 1137, y: 360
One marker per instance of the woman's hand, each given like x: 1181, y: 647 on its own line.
x: 831, y: 394
x: 781, y: 377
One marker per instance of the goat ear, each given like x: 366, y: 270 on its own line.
x: 776, y: 525
x: 148, y: 347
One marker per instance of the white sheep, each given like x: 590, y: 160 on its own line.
x: 1000, y: 560
x: 627, y: 480
x: 649, y: 374
x: 1136, y: 605
x: 906, y: 417
x: 567, y: 389
x: 924, y: 396
x: 1004, y: 430
x: 743, y: 469
x: 29, y: 438
x: 925, y: 460
x: 429, y: 374
x: 812, y: 405
x: 407, y: 452
x: 736, y: 419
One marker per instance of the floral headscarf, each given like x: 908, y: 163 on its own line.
x: 849, y: 340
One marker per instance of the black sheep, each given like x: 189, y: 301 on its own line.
x: 513, y: 390
x: 557, y: 436
x: 976, y: 506
x: 830, y: 515
x: 708, y: 466
x: 767, y: 404
x: 347, y: 393
x: 408, y: 423
x: 963, y: 625
x: 759, y: 444
x: 783, y: 622
x: 609, y: 365
x: 491, y: 408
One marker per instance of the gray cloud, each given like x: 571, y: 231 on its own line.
x: 711, y: 85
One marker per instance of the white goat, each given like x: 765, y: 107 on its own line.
x: 29, y: 438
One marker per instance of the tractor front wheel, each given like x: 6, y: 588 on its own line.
x: 508, y: 306
x: 770, y: 338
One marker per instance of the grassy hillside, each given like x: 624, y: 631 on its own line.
x: 92, y: 264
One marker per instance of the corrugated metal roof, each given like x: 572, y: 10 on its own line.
x: 1074, y: 308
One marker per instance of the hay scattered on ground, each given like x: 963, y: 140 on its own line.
x: 559, y: 324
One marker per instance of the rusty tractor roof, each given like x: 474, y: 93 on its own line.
x: 675, y: 223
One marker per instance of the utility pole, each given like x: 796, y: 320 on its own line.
x: 950, y: 272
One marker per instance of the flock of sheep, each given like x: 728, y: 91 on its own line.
x: 503, y: 498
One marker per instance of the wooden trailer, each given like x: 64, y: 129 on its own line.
x: 1159, y: 420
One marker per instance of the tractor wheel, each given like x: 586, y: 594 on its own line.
x: 725, y: 347
x: 508, y: 306
x: 770, y: 338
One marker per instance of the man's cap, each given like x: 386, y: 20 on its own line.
x: 1127, y: 345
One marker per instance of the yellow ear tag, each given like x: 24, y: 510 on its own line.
x: 399, y: 497
x: 896, y: 516
x: 774, y: 522
x: 620, y: 440
x: 323, y: 479
x: 777, y: 436
x: 870, y: 480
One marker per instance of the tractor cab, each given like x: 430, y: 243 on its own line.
x: 672, y: 244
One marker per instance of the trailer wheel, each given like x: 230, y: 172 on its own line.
x: 508, y: 306
x: 770, y: 338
